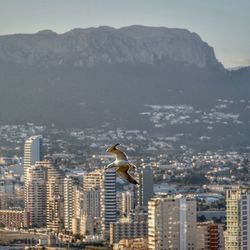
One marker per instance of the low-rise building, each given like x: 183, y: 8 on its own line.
x: 128, y: 229
x: 209, y: 236
x: 14, y: 218
x: 132, y: 244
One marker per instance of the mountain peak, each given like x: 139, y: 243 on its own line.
x: 46, y: 32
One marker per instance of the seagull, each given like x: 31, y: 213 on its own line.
x: 121, y: 164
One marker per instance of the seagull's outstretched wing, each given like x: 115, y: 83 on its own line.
x: 111, y: 165
x: 126, y: 176
x: 132, y: 165
x: 117, y: 152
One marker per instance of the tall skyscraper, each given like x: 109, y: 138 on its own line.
x: 171, y: 223
x: 92, y: 179
x: 36, y: 195
x: 145, y: 189
x: 237, y: 235
x: 245, y: 220
x: 68, y: 202
x: 78, y: 210
x: 108, y: 201
x: 32, y: 153
x: 55, y: 198
x: 92, y: 189
x: 86, y: 225
x: 126, y: 202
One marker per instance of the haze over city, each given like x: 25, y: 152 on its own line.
x: 124, y: 125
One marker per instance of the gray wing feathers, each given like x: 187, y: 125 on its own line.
x: 126, y: 176
x: 119, y: 154
x: 111, y: 165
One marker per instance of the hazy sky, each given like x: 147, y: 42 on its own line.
x: 223, y: 24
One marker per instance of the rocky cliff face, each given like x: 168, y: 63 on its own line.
x: 93, y: 46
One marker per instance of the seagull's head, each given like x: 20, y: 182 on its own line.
x: 110, y: 149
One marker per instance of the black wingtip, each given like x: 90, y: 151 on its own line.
x: 135, y: 182
x: 112, y: 147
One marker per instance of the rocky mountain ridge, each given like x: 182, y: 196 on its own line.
x: 92, y: 46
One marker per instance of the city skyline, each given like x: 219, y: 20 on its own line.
x: 223, y: 25
x: 96, y: 208
x: 167, y: 82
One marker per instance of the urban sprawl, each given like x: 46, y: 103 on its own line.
x: 55, y: 192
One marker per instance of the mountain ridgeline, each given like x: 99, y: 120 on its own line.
x: 105, y: 45
x: 106, y: 77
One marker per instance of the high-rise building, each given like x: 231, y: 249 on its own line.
x: 145, y: 189
x: 92, y: 202
x: 78, y: 209
x: 36, y: 195
x: 78, y: 201
x: 133, y: 227
x: 126, y: 202
x: 86, y: 225
x: 32, y: 153
x: 55, y: 198
x: 92, y: 180
x: 237, y: 235
x: 171, y: 223
x: 209, y: 236
x: 68, y: 202
x: 108, y: 201
x: 245, y: 220
x: 91, y: 189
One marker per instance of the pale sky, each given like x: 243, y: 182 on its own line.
x: 223, y: 24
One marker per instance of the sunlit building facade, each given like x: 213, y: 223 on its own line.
x: 237, y: 235
x: 171, y: 223
x: 36, y: 195
x: 55, y: 198
x: 32, y: 152
x: 209, y: 236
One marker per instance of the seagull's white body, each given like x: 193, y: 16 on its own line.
x: 121, y: 164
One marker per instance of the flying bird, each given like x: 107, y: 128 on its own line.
x: 121, y: 164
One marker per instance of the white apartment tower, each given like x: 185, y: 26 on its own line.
x: 36, y: 195
x: 55, y: 198
x: 91, y: 189
x: 32, y: 153
x: 245, y: 221
x: 68, y: 202
x: 237, y: 235
x: 127, y: 202
x: 172, y: 223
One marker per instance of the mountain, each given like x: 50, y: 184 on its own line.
x: 155, y: 78
x: 93, y: 46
